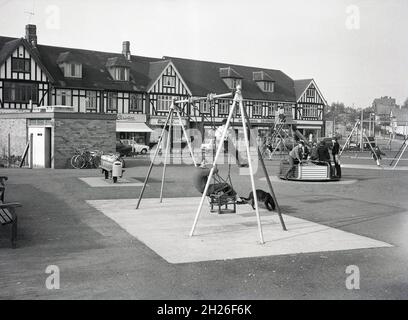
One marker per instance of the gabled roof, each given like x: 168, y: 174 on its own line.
x: 8, y: 45
x: 202, y: 77
x: 156, y: 68
x: 94, y: 71
x: 301, y: 86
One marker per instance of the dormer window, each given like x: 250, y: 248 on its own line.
x: 268, y: 86
x: 119, y: 68
x: 264, y: 81
x: 121, y: 74
x: 70, y: 65
x: 231, y: 78
x: 72, y: 70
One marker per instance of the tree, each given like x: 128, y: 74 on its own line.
x: 405, y: 105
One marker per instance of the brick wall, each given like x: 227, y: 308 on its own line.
x: 18, y: 136
x: 91, y: 134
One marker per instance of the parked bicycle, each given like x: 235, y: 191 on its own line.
x: 86, y: 159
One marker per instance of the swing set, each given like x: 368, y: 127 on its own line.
x: 220, y: 192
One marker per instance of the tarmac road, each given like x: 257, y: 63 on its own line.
x: 99, y: 260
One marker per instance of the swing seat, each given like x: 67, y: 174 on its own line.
x: 222, y: 196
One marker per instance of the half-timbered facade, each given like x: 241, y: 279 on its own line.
x: 139, y: 90
x: 309, y: 114
x: 24, y: 81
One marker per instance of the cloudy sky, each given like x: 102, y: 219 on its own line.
x: 356, y: 50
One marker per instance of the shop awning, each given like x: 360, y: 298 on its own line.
x: 132, y: 127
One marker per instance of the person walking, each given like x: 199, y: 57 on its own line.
x: 336, y: 160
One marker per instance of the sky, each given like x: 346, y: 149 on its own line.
x: 356, y: 50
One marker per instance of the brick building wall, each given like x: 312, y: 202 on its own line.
x: 18, y: 136
x: 90, y: 134
x: 69, y: 131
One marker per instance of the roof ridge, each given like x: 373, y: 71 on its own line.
x: 225, y: 63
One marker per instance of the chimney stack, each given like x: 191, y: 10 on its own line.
x: 126, y: 49
x: 31, y: 34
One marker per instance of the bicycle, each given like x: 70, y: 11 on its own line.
x: 86, y: 159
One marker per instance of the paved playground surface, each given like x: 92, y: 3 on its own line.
x: 98, y: 258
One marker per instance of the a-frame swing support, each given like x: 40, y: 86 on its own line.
x: 174, y: 108
x: 245, y: 120
x: 399, y: 154
x: 356, y: 126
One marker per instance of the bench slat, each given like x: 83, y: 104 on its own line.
x: 4, y: 218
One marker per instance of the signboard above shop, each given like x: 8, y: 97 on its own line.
x: 162, y: 121
x: 131, y: 117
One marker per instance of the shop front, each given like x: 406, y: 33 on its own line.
x: 132, y: 127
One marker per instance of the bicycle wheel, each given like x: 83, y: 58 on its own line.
x: 95, y: 161
x: 80, y: 161
x: 74, y: 161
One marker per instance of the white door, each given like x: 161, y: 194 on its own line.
x: 41, y: 147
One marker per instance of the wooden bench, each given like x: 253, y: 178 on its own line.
x: 7, y: 212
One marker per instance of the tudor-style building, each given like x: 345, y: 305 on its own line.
x: 139, y: 90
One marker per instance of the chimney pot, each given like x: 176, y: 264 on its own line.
x: 126, y: 49
x: 31, y: 34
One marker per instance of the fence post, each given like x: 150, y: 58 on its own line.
x: 8, y: 150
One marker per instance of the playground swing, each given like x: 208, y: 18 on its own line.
x: 221, y: 195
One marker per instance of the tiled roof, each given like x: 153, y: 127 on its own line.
x: 202, y: 77
x: 301, y: 86
x: 94, y: 71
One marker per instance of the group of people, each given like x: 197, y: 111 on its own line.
x: 317, y: 153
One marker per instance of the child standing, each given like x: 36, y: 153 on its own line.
x: 377, y: 153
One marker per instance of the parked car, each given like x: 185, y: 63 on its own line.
x: 123, y: 149
x: 352, y: 145
x: 136, y: 147
x: 327, y: 141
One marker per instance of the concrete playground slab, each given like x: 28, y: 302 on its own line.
x: 165, y: 228
x: 98, y: 182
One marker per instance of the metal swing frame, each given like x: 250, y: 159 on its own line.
x: 245, y: 125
